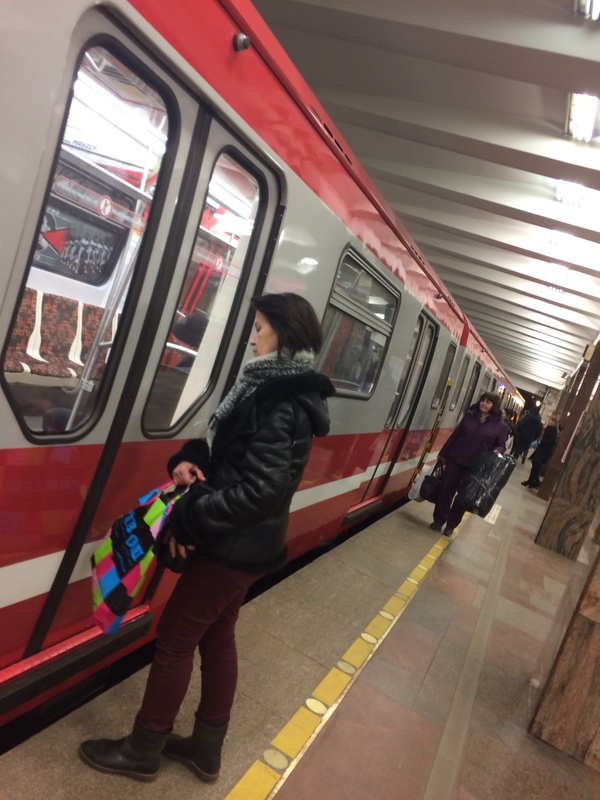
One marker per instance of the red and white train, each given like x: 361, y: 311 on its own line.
x: 163, y: 163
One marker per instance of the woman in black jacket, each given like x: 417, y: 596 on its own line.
x: 231, y: 525
x: 528, y: 429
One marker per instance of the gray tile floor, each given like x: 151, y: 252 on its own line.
x: 288, y: 640
x: 440, y: 711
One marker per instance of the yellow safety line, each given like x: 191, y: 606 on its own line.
x: 264, y: 778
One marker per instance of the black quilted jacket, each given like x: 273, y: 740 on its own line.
x: 258, y: 456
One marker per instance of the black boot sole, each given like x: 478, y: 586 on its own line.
x: 205, y: 777
x: 137, y: 776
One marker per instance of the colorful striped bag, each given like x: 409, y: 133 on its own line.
x: 120, y: 563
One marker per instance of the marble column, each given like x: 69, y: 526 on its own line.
x: 576, y: 409
x: 568, y: 398
x: 577, y: 496
x: 569, y: 708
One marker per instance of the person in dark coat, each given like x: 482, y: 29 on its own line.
x: 231, y: 526
x: 528, y: 429
x: 542, y: 454
x: 481, y: 430
x: 507, y: 420
x: 189, y: 332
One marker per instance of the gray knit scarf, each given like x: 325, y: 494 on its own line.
x: 257, y: 371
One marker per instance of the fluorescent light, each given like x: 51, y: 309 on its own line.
x: 590, y: 9
x: 118, y: 113
x: 556, y: 269
x: 307, y: 265
x: 563, y: 240
x: 583, y: 109
x: 573, y: 194
x: 230, y: 199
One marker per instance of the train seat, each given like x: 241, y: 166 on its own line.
x: 92, y: 316
x: 22, y: 350
x: 58, y: 330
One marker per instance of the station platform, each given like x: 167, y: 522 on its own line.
x: 401, y: 665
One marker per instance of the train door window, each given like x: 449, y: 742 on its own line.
x: 86, y: 245
x: 471, y: 388
x: 418, y: 369
x: 356, y: 328
x: 443, y: 381
x: 211, y: 284
x: 460, y: 383
x: 412, y: 371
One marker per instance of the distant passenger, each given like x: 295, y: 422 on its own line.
x: 509, y: 422
x: 481, y: 430
x: 189, y: 331
x: 542, y: 454
x: 259, y: 441
x: 528, y: 430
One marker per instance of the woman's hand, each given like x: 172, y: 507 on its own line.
x: 179, y: 549
x: 185, y: 473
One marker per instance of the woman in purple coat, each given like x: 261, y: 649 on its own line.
x: 481, y: 430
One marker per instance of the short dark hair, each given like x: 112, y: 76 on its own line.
x: 494, y: 400
x: 294, y: 321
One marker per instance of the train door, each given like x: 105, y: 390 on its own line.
x: 474, y: 380
x: 404, y: 404
x: 202, y: 310
x: 143, y: 184
x: 460, y: 388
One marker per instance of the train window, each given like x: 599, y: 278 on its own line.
x: 357, y: 284
x: 443, y: 381
x: 356, y: 328
x: 210, y: 285
x: 471, y: 388
x: 460, y: 383
x: 418, y: 369
x: 405, y: 372
x: 86, y: 246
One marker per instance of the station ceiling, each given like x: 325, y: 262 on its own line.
x: 457, y: 109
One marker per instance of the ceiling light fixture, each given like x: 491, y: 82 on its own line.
x: 590, y: 9
x: 566, y: 241
x: 581, y: 121
x: 573, y: 194
x: 556, y: 269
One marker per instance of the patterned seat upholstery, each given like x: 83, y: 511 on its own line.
x: 17, y: 359
x: 58, y: 330
x: 65, y: 330
x: 92, y: 315
x: 90, y: 324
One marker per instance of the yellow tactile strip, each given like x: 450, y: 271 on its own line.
x: 263, y: 778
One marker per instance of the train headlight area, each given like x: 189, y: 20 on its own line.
x: 396, y: 659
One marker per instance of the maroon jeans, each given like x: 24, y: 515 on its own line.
x: 448, y: 508
x: 201, y: 612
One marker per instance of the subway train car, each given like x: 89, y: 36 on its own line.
x: 162, y: 164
